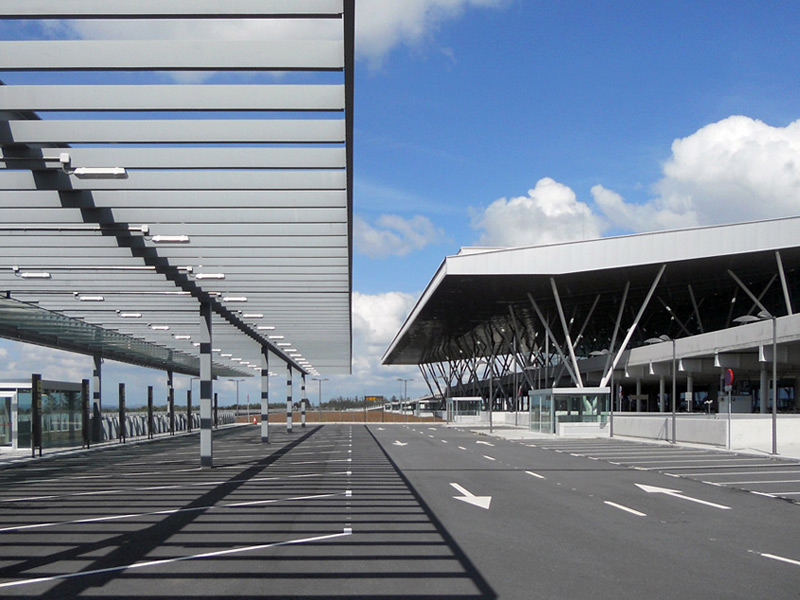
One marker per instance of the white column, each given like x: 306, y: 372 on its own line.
x: 206, y: 386
x: 265, y: 395
x: 288, y: 398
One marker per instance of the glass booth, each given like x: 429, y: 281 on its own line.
x: 549, y: 408
x: 62, y: 418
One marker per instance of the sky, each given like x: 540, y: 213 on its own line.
x: 525, y: 122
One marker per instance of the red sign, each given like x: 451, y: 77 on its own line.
x: 728, y: 376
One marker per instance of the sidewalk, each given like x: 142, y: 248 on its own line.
x: 785, y: 451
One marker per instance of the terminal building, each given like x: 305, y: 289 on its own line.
x: 679, y: 320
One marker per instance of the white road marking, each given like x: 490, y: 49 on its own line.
x: 168, y: 561
x: 651, y: 489
x: 170, y: 511
x: 470, y: 498
x: 484, y: 443
x: 791, y: 561
x: 535, y: 475
x: 625, y: 508
x: 488, y: 457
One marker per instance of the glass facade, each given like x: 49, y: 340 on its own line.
x: 62, y: 418
x: 549, y: 408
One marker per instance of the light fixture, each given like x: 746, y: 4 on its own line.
x: 252, y: 316
x: 99, y: 173
x: 129, y: 315
x: 226, y: 355
x: 210, y: 276
x: 181, y: 337
x: 87, y: 298
x: 275, y: 337
x: 159, y: 327
x: 287, y: 344
x: 234, y: 298
x: 265, y: 328
x: 31, y: 274
x: 170, y: 239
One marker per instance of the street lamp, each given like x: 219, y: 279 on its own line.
x: 658, y: 340
x: 319, y: 399
x: 405, y: 392
x: 762, y: 316
x: 237, y: 396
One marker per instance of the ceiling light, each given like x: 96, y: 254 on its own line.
x: 159, y: 327
x: 252, y: 316
x: 284, y: 344
x: 265, y: 328
x: 129, y: 315
x: 170, y: 239
x: 99, y: 173
x: 88, y: 298
x: 276, y: 337
x: 181, y: 337
x: 210, y: 276
x: 234, y: 299
x: 31, y: 274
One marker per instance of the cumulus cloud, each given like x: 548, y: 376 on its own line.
x: 550, y: 213
x: 384, y: 24
x: 737, y: 169
x: 394, y: 236
x: 376, y: 320
x: 381, y: 25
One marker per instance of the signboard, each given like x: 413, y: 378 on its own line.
x: 373, y: 398
x: 728, y: 379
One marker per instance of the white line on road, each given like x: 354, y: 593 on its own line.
x: 488, y: 457
x: 791, y: 561
x: 461, y: 448
x: 484, y: 443
x: 651, y: 489
x: 167, y: 561
x: 626, y: 509
x: 531, y: 473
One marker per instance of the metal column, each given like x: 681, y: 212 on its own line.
x: 289, y: 398
x: 265, y: 395
x: 122, y: 416
x: 206, y: 386
x: 171, y: 402
x: 303, y: 401
x: 96, y: 403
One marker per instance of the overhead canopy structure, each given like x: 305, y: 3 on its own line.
x: 153, y: 160
x: 578, y: 311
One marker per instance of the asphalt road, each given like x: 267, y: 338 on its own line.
x: 383, y: 511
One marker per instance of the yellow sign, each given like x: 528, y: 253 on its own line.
x: 373, y: 398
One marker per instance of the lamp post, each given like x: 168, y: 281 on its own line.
x: 237, y: 396
x: 405, y: 393
x: 658, y: 340
x: 762, y: 316
x: 319, y: 398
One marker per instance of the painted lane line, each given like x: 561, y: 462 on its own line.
x: 488, y: 457
x: 770, y: 472
x: 399, y: 443
x: 625, y: 508
x: 484, y: 443
x: 470, y: 498
x: 699, y: 460
x: 763, y: 494
x: 444, y: 441
x: 721, y: 468
x: 461, y: 448
x: 651, y: 489
x: 171, y: 511
x: 168, y: 561
x: 532, y: 474
x: 770, y: 481
x: 791, y: 561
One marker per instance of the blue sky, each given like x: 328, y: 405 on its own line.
x: 520, y: 122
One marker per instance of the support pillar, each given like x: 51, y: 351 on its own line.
x: 97, y: 408
x: 122, y: 415
x: 303, y: 401
x: 661, y: 395
x: 171, y: 402
x: 689, y: 393
x: 150, y: 419
x: 638, y: 395
x: 206, y: 386
x: 289, y: 398
x: 189, y: 411
x: 763, y: 390
x: 85, y: 425
x: 264, y: 396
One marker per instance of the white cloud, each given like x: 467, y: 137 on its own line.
x: 737, y: 169
x: 382, y: 25
x: 394, y: 235
x: 550, y: 213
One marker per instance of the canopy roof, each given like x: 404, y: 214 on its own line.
x: 592, y: 294
x: 129, y: 196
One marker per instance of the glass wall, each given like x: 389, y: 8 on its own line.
x: 62, y: 419
x: 550, y: 407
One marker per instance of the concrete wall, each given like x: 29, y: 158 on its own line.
x: 747, y: 431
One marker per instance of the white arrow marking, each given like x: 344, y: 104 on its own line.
x: 381, y: 429
x: 651, y: 489
x: 399, y: 443
x: 485, y: 443
x: 470, y: 498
